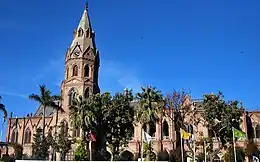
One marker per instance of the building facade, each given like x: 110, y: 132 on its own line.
x: 81, y: 78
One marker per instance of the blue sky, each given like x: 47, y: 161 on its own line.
x: 169, y: 44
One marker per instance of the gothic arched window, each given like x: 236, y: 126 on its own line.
x: 75, y: 71
x: 150, y: 128
x: 64, y: 129
x: 76, y: 132
x: 28, y: 136
x: 80, y: 32
x: 86, y: 71
x: 165, y: 129
x: 14, y: 137
x: 87, y: 33
x: 72, y: 96
x: 257, y: 131
x: 86, y: 93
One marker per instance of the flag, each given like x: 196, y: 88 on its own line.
x: 147, y: 138
x: 239, y: 133
x: 92, y: 137
x: 184, y: 134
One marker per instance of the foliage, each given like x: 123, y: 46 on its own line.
x: 81, y: 153
x: 40, y: 145
x: 229, y: 154
x: 119, y: 128
x: 184, y: 116
x: 2, y: 108
x: 220, y: 116
x: 18, y: 150
x: 62, y: 145
x: 148, y: 151
x: 45, y: 98
x: 108, y: 117
x: 150, y: 105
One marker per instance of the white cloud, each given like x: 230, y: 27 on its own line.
x: 121, y: 74
x: 13, y: 94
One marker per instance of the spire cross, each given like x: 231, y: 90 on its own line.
x: 86, y: 5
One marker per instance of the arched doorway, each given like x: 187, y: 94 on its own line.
x: 127, y: 156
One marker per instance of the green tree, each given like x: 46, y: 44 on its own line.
x: 2, y: 108
x: 119, y: 125
x: 82, y: 115
x: 81, y: 153
x: 45, y: 98
x: 62, y: 145
x: 150, y: 107
x: 148, y: 151
x: 220, y: 116
x: 41, y: 145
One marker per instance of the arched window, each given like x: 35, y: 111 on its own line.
x: 67, y: 73
x: 75, y: 71
x: 150, y: 128
x: 28, y: 136
x: 87, y: 33
x: 257, y: 131
x: 14, y: 137
x: 80, y: 32
x: 86, y: 71
x: 64, y: 129
x: 72, y: 96
x: 76, y: 132
x: 165, y: 129
x: 86, y: 93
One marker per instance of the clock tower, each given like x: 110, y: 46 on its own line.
x: 81, y: 63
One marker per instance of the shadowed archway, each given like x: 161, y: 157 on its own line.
x: 127, y: 156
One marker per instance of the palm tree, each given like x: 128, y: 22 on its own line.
x: 82, y: 114
x: 2, y: 108
x: 45, y: 98
x: 150, y: 107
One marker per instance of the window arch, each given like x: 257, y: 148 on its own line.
x: 165, y: 129
x: 72, y: 96
x: 76, y: 132
x: 87, y: 33
x: 257, y: 131
x: 14, y: 137
x: 150, y: 128
x: 80, y: 32
x: 86, y: 93
x: 75, y: 71
x: 86, y: 71
x: 28, y: 136
x: 64, y: 129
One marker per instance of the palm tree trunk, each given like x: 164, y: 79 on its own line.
x: 43, y: 123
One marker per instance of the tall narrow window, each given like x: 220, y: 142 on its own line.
x: 75, y: 71
x: 86, y: 94
x: 72, y: 96
x: 64, y: 129
x: 28, y: 136
x: 80, y: 32
x: 76, y: 132
x: 86, y: 71
x: 14, y: 137
x: 165, y: 129
x: 257, y: 130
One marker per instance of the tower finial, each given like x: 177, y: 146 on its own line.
x: 86, y: 5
